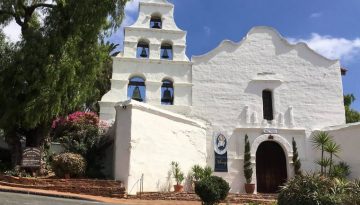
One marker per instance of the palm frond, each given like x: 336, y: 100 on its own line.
x: 332, y: 148
x: 321, y: 139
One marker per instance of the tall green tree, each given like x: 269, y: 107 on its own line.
x: 54, y: 68
x: 248, y: 171
x: 295, y: 158
x: 350, y: 114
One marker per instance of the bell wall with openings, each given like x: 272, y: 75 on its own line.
x: 153, y: 67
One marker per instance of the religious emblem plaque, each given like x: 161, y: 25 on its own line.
x: 220, y: 148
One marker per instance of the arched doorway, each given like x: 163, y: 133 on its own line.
x: 271, y: 169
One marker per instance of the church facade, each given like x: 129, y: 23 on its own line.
x: 166, y: 107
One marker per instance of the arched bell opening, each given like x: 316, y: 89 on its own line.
x: 137, y: 89
x: 155, y: 21
x: 166, y: 51
x: 143, y: 49
x: 167, y: 92
x: 271, y: 167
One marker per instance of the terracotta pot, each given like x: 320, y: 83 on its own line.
x: 249, y: 188
x: 178, y: 188
x: 67, y: 176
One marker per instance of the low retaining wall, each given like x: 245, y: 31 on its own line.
x: 106, y: 188
x: 265, y: 199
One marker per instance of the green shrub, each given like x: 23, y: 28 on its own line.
x: 319, y: 190
x: 352, y: 193
x: 340, y: 170
x: 199, y: 173
x: 212, y: 190
x: 68, y: 163
x: 17, y: 172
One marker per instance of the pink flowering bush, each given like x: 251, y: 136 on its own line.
x: 90, y: 118
x: 82, y: 133
x: 78, y: 132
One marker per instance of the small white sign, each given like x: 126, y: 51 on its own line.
x: 270, y: 131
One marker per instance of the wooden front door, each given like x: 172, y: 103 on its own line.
x: 271, y: 171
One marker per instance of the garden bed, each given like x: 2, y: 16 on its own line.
x: 106, y: 188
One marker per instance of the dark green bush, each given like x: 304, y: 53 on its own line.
x: 69, y: 163
x: 212, y: 190
x: 319, y: 190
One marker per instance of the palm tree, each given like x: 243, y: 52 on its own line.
x: 319, y: 140
x: 333, y: 149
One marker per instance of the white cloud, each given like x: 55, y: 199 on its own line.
x: 332, y: 47
x: 12, y: 31
x: 132, y: 6
x: 316, y: 15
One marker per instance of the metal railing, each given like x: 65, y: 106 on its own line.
x: 141, y: 183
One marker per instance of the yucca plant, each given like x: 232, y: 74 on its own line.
x: 320, y: 140
x: 324, y: 163
x: 333, y: 149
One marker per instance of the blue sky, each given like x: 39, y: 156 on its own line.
x: 331, y: 27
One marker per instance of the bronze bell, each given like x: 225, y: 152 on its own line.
x: 165, y: 54
x: 156, y: 25
x: 143, y: 53
x: 137, y: 95
x: 167, y: 98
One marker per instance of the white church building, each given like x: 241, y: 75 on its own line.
x: 262, y: 86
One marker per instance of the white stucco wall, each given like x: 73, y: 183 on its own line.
x: 227, y: 93
x: 233, y: 76
x: 348, y: 137
x: 150, y: 141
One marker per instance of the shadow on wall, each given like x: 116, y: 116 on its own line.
x: 166, y: 186
x: 282, y: 46
x: 256, y: 87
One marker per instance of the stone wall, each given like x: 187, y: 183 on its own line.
x: 107, y: 188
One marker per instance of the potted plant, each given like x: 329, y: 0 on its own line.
x: 178, y: 175
x: 248, y: 171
